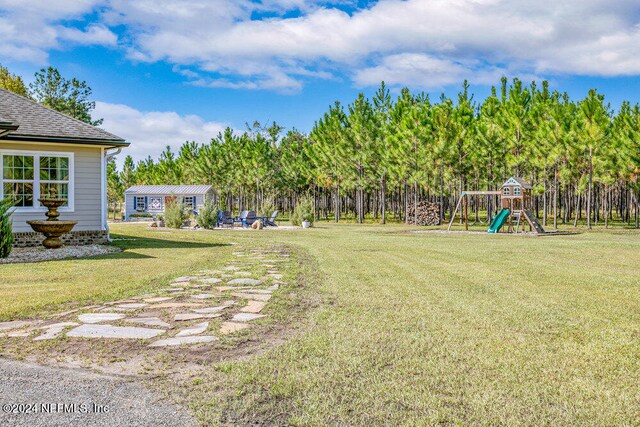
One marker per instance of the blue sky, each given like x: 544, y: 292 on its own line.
x: 163, y: 71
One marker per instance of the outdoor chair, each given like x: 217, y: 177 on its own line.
x: 271, y: 222
x: 242, y: 217
x: 249, y: 219
x: 224, y: 218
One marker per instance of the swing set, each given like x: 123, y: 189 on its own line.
x: 464, y: 201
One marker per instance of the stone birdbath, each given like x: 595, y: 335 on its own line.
x: 52, y: 228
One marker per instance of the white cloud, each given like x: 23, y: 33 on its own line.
x: 224, y: 45
x: 151, y: 131
x: 426, y: 72
x: 29, y: 29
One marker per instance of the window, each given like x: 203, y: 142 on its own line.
x: 28, y: 176
x: 141, y: 203
x: 506, y: 191
x: 516, y: 191
x: 18, y: 179
x: 189, y: 202
x: 54, y: 177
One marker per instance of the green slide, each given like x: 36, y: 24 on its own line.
x: 498, y: 221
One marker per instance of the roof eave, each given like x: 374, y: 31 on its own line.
x: 67, y: 140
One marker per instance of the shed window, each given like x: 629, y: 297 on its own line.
x: 189, y: 202
x: 517, y: 191
x: 506, y: 191
x: 141, y: 203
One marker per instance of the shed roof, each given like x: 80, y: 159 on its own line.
x: 29, y: 120
x: 168, y: 190
x: 518, y: 181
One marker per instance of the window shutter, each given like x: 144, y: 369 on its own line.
x: 145, y: 203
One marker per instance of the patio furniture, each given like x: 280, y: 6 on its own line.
x: 224, y: 218
x: 249, y: 219
x: 241, y: 218
x: 271, y: 222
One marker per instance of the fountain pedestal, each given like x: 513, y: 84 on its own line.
x: 52, y: 228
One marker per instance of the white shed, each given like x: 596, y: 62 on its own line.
x: 149, y: 200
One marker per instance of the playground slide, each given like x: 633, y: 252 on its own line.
x: 533, y: 221
x: 498, y: 221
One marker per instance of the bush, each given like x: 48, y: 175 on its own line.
x: 175, y: 214
x: 6, y: 234
x: 208, y: 215
x: 303, y: 211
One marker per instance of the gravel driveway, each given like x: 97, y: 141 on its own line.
x: 79, y: 398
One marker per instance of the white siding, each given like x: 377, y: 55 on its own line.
x: 87, y: 182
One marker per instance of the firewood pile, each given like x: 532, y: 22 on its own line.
x: 428, y: 213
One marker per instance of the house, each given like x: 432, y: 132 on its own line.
x: 516, y: 194
x: 44, y: 152
x: 142, y: 201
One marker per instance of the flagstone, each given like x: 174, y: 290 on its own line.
x: 169, y: 342
x: 158, y: 299
x: 276, y: 276
x: 134, y: 305
x: 257, y: 297
x: 194, y: 316
x: 19, y: 333
x: 244, y: 281
x: 231, y: 268
x: 14, y: 324
x: 175, y: 289
x: 230, y: 288
x: 231, y: 327
x: 176, y: 305
x: 273, y: 287
x: 196, y: 329
x: 210, y: 309
x: 184, y: 278
x: 258, y: 291
x: 50, y: 333
x: 203, y: 296
x: 253, y: 307
x: 247, y: 317
x: 109, y: 331
x: 149, y: 321
x: 99, y: 317
x: 243, y: 273
x: 59, y: 325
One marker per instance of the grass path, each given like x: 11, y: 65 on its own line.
x: 420, y: 329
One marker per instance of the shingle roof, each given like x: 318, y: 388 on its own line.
x: 37, y: 122
x: 182, y: 190
x: 524, y: 184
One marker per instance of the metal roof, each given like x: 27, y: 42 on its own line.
x: 169, y: 190
x: 37, y: 122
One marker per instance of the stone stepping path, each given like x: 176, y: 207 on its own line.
x: 196, y: 329
x: 178, y: 314
x: 246, y: 317
x: 100, y: 317
x: 244, y: 281
x: 150, y: 321
x: 109, y: 331
x: 253, y: 307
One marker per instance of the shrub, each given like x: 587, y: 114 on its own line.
x: 303, y: 211
x: 6, y: 234
x: 207, y: 216
x: 268, y: 206
x: 175, y: 214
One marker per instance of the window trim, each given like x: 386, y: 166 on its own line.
x: 36, y: 154
x: 144, y: 203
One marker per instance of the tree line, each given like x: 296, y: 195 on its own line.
x: 374, y: 157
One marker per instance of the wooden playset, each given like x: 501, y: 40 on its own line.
x: 515, y: 201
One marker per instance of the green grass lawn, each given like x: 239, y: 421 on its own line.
x: 412, y: 329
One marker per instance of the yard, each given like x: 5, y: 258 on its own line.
x: 407, y: 328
